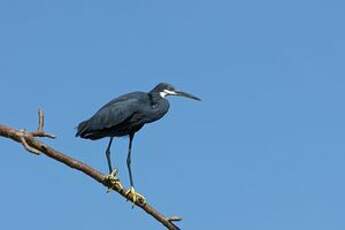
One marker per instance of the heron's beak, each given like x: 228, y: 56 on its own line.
x: 184, y: 94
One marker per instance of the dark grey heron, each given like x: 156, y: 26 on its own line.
x: 126, y: 115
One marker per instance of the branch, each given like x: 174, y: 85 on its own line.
x: 32, y: 144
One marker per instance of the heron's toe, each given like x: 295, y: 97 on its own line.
x: 113, y: 181
x: 134, y: 196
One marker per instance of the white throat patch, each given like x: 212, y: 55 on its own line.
x: 166, y: 92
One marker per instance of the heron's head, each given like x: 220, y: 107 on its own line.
x: 165, y: 89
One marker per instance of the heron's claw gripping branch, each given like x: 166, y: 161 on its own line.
x: 113, y: 181
x: 134, y: 196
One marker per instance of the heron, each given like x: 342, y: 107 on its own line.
x: 125, y: 116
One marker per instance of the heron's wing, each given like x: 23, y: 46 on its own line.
x: 113, y: 113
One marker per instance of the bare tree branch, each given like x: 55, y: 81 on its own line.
x: 32, y: 144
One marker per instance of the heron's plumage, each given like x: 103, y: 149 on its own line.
x: 124, y: 115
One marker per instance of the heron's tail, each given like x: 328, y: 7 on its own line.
x: 82, y: 127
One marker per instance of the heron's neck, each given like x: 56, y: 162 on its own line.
x: 155, y: 97
x: 159, y: 107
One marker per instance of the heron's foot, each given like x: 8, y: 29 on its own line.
x: 113, y: 181
x: 135, y: 197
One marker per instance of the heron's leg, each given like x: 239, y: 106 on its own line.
x: 131, y: 193
x: 112, y: 177
x: 131, y: 136
x: 107, y: 153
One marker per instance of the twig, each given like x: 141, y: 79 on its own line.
x: 28, y: 147
x: 33, y: 145
x: 175, y: 219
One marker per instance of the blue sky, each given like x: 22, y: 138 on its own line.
x: 264, y: 149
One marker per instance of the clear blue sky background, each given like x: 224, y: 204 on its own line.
x: 264, y: 150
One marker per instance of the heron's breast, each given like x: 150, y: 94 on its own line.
x: 157, y: 111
